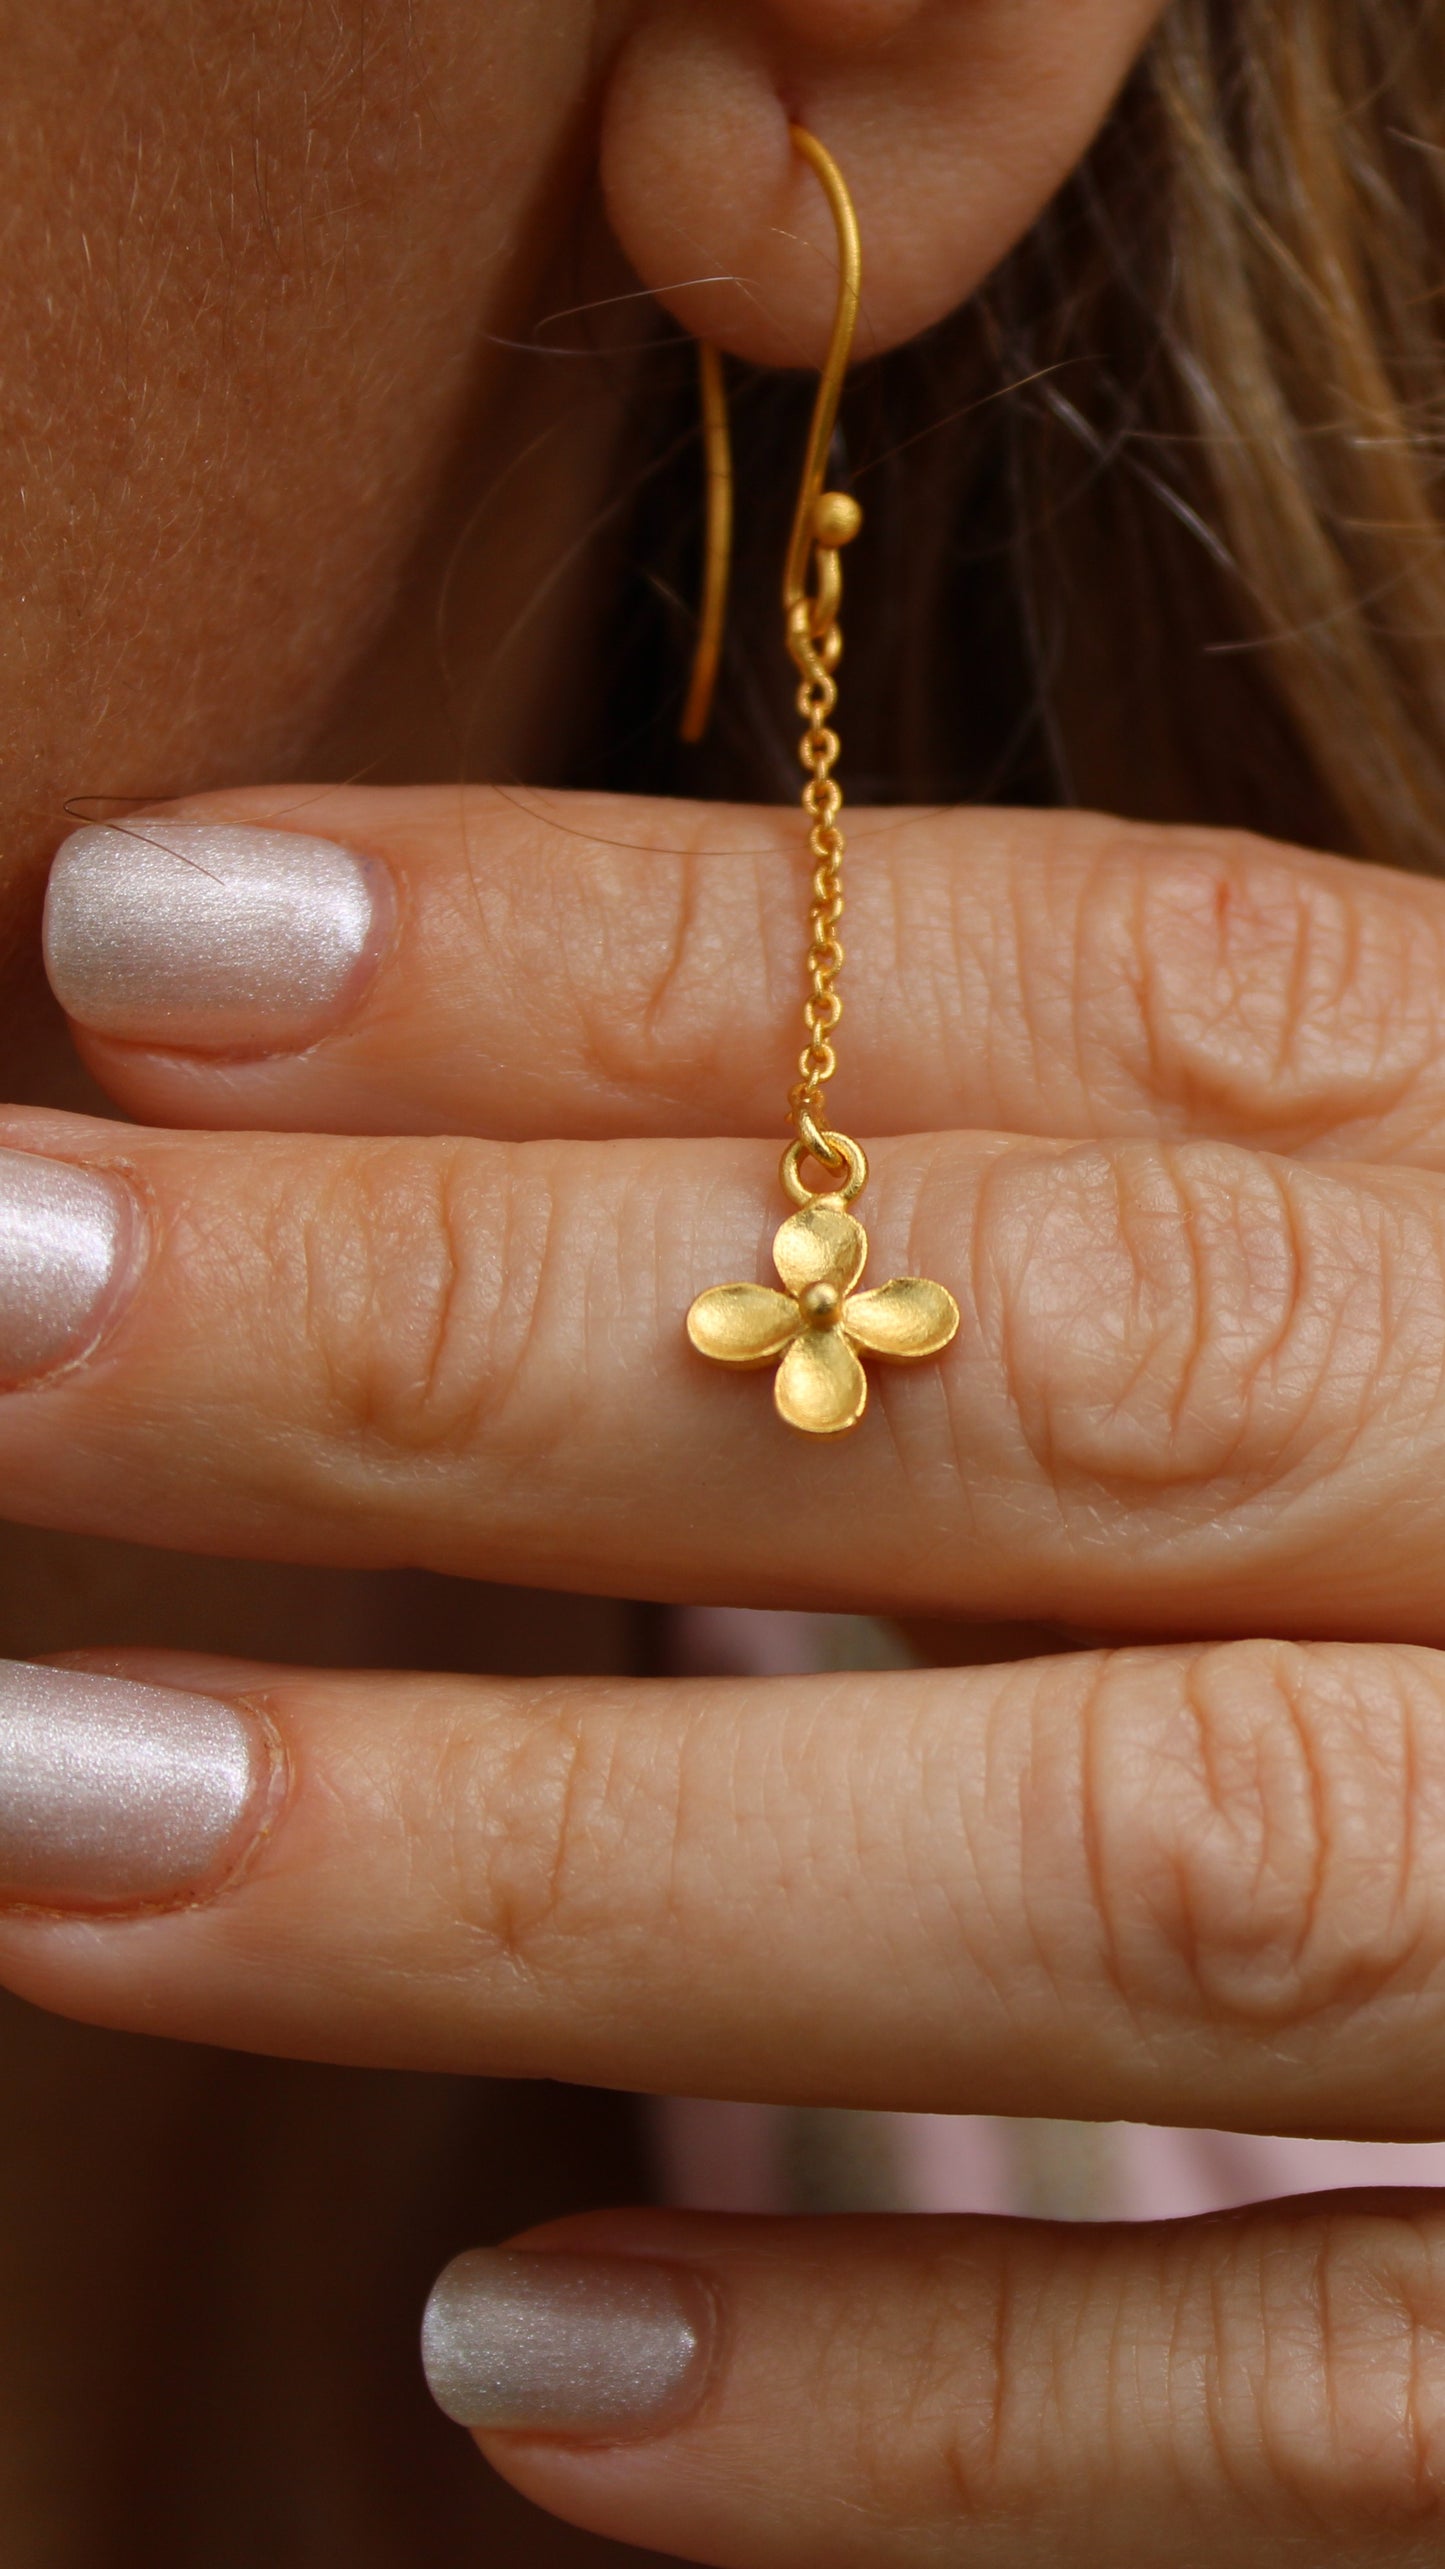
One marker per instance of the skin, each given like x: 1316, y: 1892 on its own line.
x: 1170, y: 1118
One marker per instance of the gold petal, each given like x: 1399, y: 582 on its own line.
x: 743, y: 1324
x: 909, y: 1317
x: 821, y: 1245
x: 821, y: 1386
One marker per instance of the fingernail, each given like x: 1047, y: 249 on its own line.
x: 114, y: 1794
x: 66, y: 1242
x: 547, y: 2343
x: 204, y: 935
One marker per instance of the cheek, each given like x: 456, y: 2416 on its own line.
x: 249, y: 247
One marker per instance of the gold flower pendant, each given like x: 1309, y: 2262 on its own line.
x: 813, y: 1330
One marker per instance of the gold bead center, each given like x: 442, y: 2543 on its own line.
x: 820, y: 1305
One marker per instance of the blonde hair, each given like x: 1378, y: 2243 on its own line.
x: 1235, y: 316
x: 1156, y: 523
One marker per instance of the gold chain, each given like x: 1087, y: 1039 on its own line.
x: 819, y: 750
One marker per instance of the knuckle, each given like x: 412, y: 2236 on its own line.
x: 1269, y: 992
x: 422, y: 1276
x: 514, y: 1835
x: 1344, y: 2400
x: 563, y: 1834
x: 945, y: 2433
x: 1254, y: 1854
x: 1294, y: 2372
x: 653, y: 970
x: 1166, y: 1318
x: 1276, y: 2380
x: 991, y: 2432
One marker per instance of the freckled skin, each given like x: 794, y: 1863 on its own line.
x: 250, y: 261
x: 250, y: 257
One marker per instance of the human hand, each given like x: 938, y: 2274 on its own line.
x: 1171, y: 1119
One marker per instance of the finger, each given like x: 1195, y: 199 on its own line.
x: 1201, y: 1886
x: 541, y: 965
x: 1263, y: 2389
x: 1193, y: 1389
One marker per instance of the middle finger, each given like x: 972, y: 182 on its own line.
x: 1195, y: 1388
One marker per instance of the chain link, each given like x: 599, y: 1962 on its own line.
x: 817, y: 657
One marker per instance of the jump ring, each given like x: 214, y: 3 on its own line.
x: 815, y: 1139
x: 843, y: 1148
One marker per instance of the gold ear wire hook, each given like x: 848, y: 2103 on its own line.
x: 717, y: 558
x: 824, y: 520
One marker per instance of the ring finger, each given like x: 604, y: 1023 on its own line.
x: 1179, y: 1885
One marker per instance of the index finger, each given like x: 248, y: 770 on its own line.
x: 535, y: 965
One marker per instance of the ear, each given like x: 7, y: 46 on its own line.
x: 953, y: 121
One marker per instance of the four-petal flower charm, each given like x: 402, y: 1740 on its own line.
x: 818, y: 1324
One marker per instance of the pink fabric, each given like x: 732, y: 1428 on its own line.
x: 726, y: 2158
x: 730, y: 2158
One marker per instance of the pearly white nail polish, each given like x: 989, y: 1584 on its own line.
x: 547, y: 2343
x: 66, y: 1241
x: 113, y: 1794
x: 210, y: 936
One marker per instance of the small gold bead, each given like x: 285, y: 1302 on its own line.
x: 820, y: 1305
x: 836, y: 518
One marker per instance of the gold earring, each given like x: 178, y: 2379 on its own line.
x: 817, y: 1328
